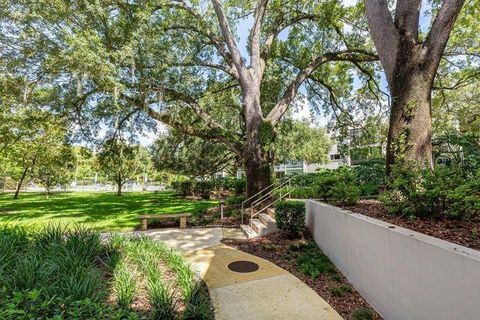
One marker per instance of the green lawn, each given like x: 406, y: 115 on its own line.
x: 98, y: 210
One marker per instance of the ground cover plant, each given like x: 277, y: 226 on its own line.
x: 170, y: 285
x: 98, y: 210
x: 70, y: 273
x: 307, y: 262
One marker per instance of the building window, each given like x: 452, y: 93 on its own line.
x: 336, y: 156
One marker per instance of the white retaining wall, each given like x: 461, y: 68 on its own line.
x: 403, y: 274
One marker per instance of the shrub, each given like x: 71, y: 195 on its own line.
x: 185, y: 188
x: 420, y: 192
x: 303, y: 193
x: 235, y: 200
x: 239, y: 186
x: 370, y: 178
x: 325, y: 181
x: 303, y: 180
x: 203, y: 188
x: 465, y: 199
x: 338, y: 185
x: 346, y: 194
x: 363, y: 314
x: 290, y: 216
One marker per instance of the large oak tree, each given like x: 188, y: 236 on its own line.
x: 410, y: 63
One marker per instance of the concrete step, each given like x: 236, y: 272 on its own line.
x: 248, y: 231
x: 268, y: 221
x: 259, y: 227
x: 271, y: 212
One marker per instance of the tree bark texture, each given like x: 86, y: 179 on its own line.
x: 410, y: 66
x: 20, y: 183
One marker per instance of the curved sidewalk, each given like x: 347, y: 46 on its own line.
x: 268, y: 293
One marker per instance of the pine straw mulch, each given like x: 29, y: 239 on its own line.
x: 465, y: 233
x: 277, y: 249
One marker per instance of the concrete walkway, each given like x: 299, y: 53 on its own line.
x: 268, y: 293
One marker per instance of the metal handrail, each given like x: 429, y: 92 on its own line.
x: 256, y: 194
x: 281, y: 185
x: 269, y: 206
x: 265, y: 196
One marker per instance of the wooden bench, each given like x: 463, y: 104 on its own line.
x: 144, y: 219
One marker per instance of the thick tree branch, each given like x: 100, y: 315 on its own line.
x: 437, y: 38
x: 213, y: 131
x: 407, y: 15
x: 255, y: 40
x: 230, y: 41
x: 384, y: 34
x: 290, y: 93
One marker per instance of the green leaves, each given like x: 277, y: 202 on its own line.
x: 298, y: 141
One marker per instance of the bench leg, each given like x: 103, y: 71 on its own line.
x: 183, y: 222
x: 143, y: 224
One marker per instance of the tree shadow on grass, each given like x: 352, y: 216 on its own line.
x: 100, y: 210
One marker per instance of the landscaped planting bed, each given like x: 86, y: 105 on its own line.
x: 462, y: 232
x: 60, y: 273
x: 306, y: 261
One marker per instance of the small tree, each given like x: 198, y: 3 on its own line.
x: 119, y: 161
x: 54, y: 166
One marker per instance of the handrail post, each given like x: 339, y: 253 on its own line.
x: 289, y: 189
x: 242, y: 214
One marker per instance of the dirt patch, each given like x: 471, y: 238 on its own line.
x: 331, y: 286
x: 465, y: 233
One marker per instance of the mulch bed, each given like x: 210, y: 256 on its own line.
x: 465, y: 233
x: 207, y: 219
x: 275, y: 248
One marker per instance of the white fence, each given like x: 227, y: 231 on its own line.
x: 403, y: 274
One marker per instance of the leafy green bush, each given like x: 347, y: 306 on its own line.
x: 370, y: 178
x: 303, y: 193
x: 420, y: 192
x: 192, y: 187
x: 338, y: 185
x: 235, y: 200
x: 346, y: 194
x: 203, y: 188
x: 303, y: 180
x: 290, y: 216
x: 239, y: 186
x: 326, y: 180
x: 185, y: 188
x: 465, y: 199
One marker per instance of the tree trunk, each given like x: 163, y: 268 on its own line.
x: 410, y: 129
x: 119, y: 187
x: 20, y: 183
x: 258, y: 175
x: 257, y: 160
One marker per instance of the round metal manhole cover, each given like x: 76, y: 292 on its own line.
x: 243, y: 266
